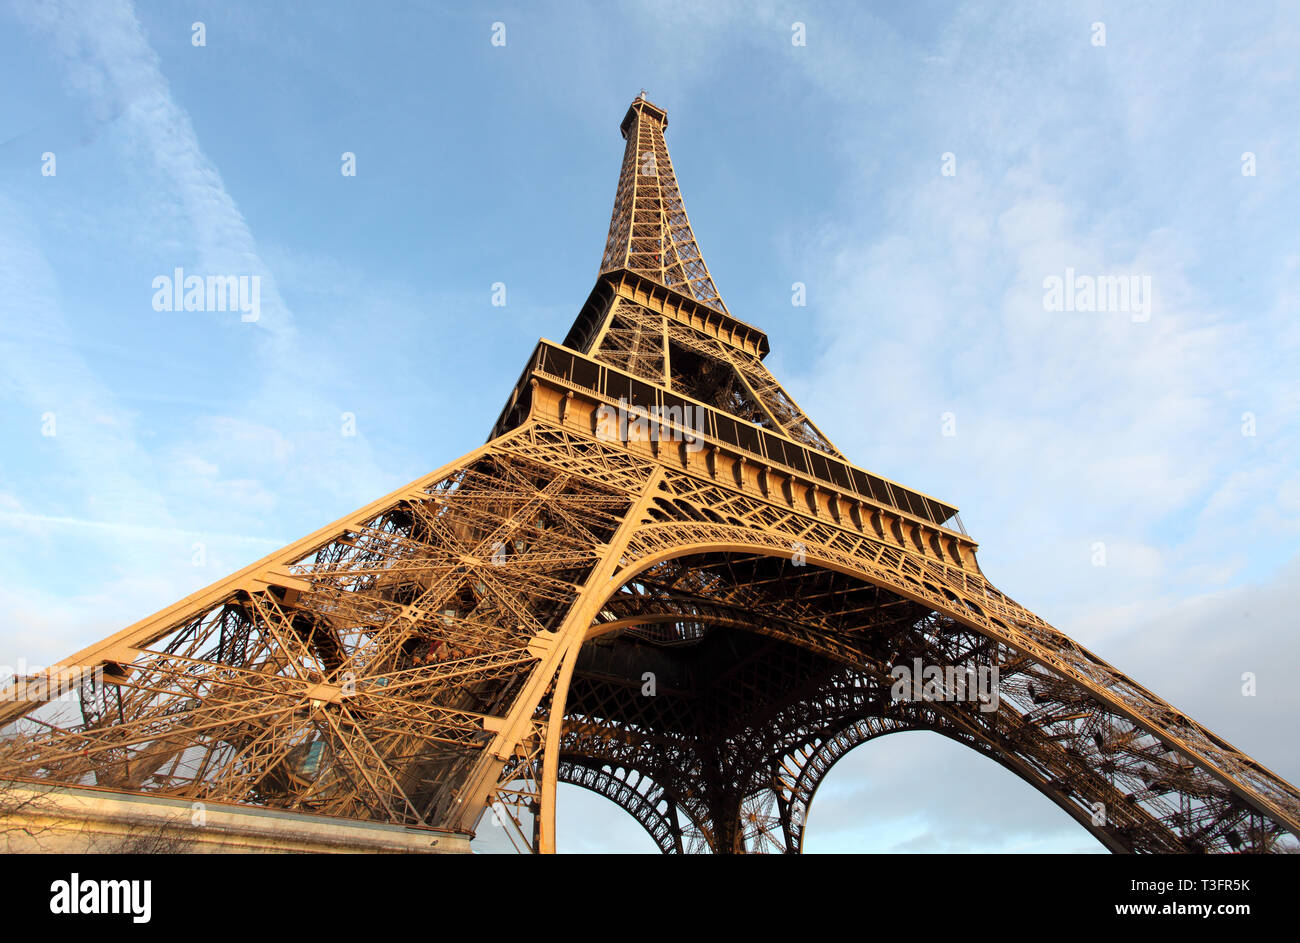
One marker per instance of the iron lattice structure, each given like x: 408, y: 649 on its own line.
x: 694, y: 613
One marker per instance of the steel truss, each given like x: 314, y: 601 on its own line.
x: 695, y: 621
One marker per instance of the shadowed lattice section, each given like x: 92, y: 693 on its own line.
x: 361, y: 673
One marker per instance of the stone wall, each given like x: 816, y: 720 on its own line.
x: 43, y: 819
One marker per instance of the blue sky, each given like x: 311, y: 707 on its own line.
x: 819, y: 163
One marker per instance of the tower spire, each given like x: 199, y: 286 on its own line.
x: 649, y: 232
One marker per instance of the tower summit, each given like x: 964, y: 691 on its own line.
x: 649, y: 232
x: 657, y: 580
x: 656, y: 312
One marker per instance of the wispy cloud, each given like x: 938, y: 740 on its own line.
x: 150, y: 489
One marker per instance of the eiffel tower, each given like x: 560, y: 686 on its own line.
x: 657, y: 580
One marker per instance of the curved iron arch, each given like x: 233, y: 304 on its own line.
x: 663, y: 825
x: 1137, y: 829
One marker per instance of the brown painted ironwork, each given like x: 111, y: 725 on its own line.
x: 656, y: 580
